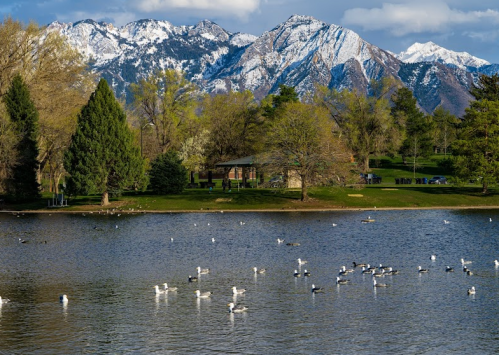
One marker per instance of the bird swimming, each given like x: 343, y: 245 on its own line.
x: 173, y: 289
x: 62, y: 299
x: 202, y: 271
x: 236, y: 291
x: 302, y: 262
x: 158, y: 291
x: 465, y: 262
x: 316, y: 289
x: 449, y: 269
x: 259, y: 271
x: 296, y: 274
x: 200, y: 294
x: 280, y: 241
x: 340, y: 281
x: 192, y: 278
x: 421, y: 270
x: 496, y: 262
x: 433, y: 257
x: 306, y: 273
x: 471, y: 291
x: 236, y: 308
x: 375, y: 284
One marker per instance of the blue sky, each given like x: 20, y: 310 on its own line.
x: 459, y: 25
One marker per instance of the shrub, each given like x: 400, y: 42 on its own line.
x: 167, y: 175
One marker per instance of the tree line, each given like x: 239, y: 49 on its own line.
x: 56, y: 123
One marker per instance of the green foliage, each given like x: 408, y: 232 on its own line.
x: 286, y: 94
x: 102, y: 157
x: 477, y: 148
x: 487, y: 88
x: 23, y: 185
x: 167, y: 174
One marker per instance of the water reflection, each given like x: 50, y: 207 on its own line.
x: 109, y: 274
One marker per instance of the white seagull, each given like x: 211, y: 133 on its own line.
x: 465, y: 262
x: 302, y: 262
x: 169, y: 288
x: 202, y: 271
x: 62, y: 299
x: 236, y: 308
x: 200, y: 294
x: 471, y: 291
x: 236, y: 291
x: 158, y: 291
x: 496, y: 262
x: 259, y: 271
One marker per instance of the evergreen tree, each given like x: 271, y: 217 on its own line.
x: 418, y: 127
x: 273, y: 103
x: 476, y: 150
x: 102, y: 157
x: 23, y: 186
x: 167, y: 174
x: 487, y: 88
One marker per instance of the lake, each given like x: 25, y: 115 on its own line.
x: 108, y: 264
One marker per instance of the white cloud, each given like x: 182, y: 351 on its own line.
x: 239, y: 8
x: 417, y: 17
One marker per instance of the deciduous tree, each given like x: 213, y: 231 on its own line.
x: 302, y: 141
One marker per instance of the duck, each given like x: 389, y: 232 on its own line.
x: 62, y: 299
x: 296, y: 274
x: 158, y: 291
x: 340, y: 281
x: 173, y: 289
x: 259, y: 271
x: 306, y: 273
x: 449, y: 269
x: 236, y: 308
x: 421, y: 270
x: 202, y: 271
x: 200, y: 294
x: 316, y: 289
x: 375, y: 284
x: 471, y: 291
x: 302, y: 262
x: 193, y: 278
x: 236, y: 291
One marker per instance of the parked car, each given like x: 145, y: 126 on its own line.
x: 370, y: 178
x: 277, y: 181
x: 438, y: 180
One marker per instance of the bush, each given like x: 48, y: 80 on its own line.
x: 167, y: 175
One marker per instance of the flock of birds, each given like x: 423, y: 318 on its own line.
x: 375, y: 272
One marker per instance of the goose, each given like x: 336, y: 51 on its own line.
x: 259, y: 271
x: 62, y: 299
x: 375, y: 284
x: 340, y: 281
x: 465, y: 262
x: 449, y: 269
x: 348, y: 271
x: 302, y: 262
x: 236, y: 291
x: 469, y: 273
x: 496, y: 263
x: 471, y: 291
x: 200, y: 294
x: 306, y: 273
x: 158, y: 291
x: 420, y: 270
x: 236, y: 308
x: 192, y: 278
x: 316, y: 289
x: 296, y: 274
x: 173, y: 289
x: 202, y: 271
x: 378, y: 274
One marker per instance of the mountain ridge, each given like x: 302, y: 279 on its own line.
x: 299, y: 52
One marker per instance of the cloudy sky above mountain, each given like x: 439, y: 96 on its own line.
x: 459, y: 25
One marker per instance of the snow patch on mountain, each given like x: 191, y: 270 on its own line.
x: 431, y: 52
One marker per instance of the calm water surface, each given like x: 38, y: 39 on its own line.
x: 108, y: 265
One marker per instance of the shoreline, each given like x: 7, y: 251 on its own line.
x: 333, y: 209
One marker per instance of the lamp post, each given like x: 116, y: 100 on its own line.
x: 141, y: 129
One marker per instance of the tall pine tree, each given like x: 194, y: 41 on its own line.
x: 23, y: 184
x: 102, y: 157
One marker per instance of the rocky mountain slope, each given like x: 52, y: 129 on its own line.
x: 300, y: 52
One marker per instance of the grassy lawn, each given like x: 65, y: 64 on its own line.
x: 385, y: 195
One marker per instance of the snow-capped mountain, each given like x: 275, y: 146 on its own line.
x: 431, y: 52
x: 300, y: 52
